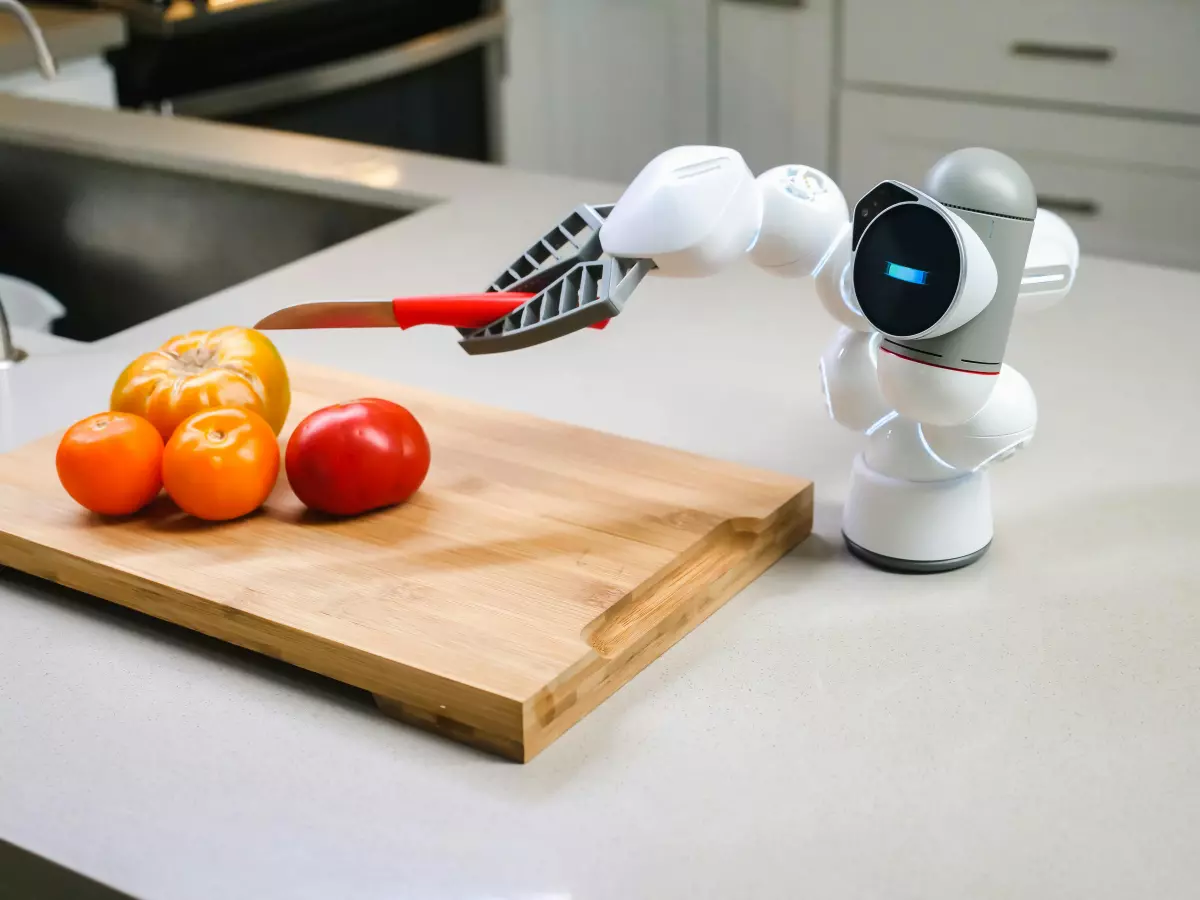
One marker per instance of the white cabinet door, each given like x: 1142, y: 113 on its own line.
x: 775, y: 80
x: 597, y: 88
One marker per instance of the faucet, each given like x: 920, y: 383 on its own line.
x: 10, y: 354
x: 45, y: 60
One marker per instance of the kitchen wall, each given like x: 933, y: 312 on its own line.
x: 1098, y: 99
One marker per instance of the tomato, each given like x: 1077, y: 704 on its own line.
x: 228, y: 367
x: 354, y: 457
x: 221, y: 463
x: 111, y: 463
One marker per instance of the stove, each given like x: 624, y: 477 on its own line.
x: 411, y: 74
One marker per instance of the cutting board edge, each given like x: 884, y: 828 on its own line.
x: 446, y: 698
x: 752, y: 548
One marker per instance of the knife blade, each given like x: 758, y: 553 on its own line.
x: 455, y: 310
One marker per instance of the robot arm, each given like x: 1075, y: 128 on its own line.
x: 923, y: 283
x: 692, y: 211
x: 695, y: 210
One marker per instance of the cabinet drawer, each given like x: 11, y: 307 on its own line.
x: 1129, y: 188
x: 1128, y: 54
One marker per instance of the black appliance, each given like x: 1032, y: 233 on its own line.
x: 414, y: 74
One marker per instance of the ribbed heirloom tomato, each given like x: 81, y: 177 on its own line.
x: 228, y: 367
x: 221, y: 464
x: 354, y: 457
x: 111, y: 463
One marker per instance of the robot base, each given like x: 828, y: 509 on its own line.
x: 912, y: 566
x: 917, y: 526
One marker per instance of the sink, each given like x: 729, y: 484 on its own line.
x: 118, y: 244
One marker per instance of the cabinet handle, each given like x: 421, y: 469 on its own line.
x: 1063, y: 52
x: 1070, y: 206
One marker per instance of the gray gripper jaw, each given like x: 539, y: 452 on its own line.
x: 588, y: 293
x: 574, y: 283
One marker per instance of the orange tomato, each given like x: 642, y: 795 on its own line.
x: 111, y: 463
x: 228, y: 367
x: 221, y: 463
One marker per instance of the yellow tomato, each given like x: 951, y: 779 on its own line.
x: 229, y: 367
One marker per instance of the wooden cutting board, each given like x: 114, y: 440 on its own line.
x: 540, y: 567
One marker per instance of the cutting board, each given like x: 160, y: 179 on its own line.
x: 538, y: 569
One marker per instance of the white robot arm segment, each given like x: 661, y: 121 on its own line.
x: 695, y: 210
x: 849, y: 380
x: 692, y: 210
x: 850, y: 383
x: 1051, y: 264
x: 1004, y: 425
x: 804, y: 216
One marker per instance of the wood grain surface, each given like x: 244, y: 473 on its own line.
x: 539, y: 568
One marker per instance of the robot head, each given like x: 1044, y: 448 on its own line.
x: 937, y: 271
x: 919, y: 270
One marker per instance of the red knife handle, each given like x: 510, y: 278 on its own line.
x: 460, y: 310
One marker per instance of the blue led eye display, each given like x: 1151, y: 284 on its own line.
x: 904, y: 273
x: 904, y: 300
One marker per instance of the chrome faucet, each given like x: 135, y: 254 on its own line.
x: 45, y: 60
x: 10, y: 354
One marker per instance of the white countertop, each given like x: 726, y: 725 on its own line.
x: 1026, y: 727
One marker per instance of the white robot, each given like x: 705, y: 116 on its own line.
x: 924, y: 282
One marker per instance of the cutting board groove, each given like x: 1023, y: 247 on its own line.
x: 540, y: 567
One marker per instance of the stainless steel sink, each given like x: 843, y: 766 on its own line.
x: 118, y: 244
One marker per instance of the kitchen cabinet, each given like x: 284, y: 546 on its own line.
x: 596, y: 88
x: 774, y: 80
x: 1097, y: 99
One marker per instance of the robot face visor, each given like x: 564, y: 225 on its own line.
x: 919, y: 270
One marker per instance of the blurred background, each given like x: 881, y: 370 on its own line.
x: 1098, y: 99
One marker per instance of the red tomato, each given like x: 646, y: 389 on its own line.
x: 353, y: 457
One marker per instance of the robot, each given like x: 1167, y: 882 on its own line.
x: 922, y: 282
x: 925, y: 284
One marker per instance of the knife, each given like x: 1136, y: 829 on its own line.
x: 454, y: 310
